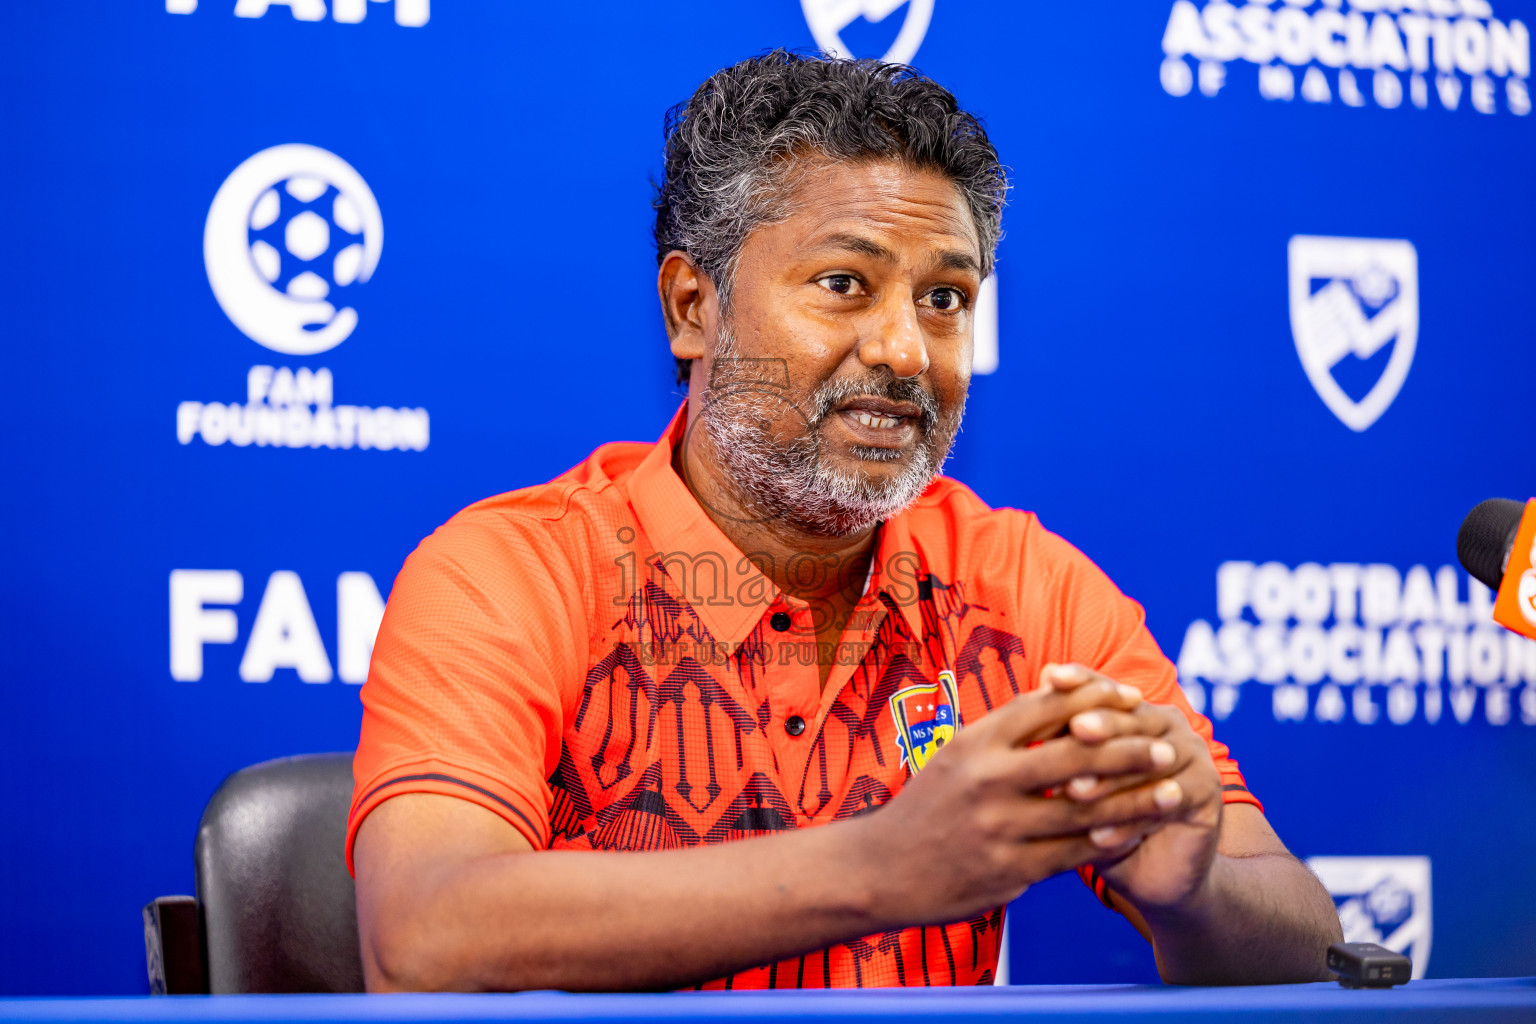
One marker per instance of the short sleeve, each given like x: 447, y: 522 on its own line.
x: 474, y: 663
x: 1094, y: 624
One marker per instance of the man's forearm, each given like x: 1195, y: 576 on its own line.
x: 1260, y: 920
x: 450, y: 896
x: 601, y: 921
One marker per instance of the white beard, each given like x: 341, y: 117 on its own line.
x: 791, y: 481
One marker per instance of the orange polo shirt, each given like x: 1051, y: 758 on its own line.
x: 593, y: 660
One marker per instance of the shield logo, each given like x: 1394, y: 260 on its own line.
x: 1384, y: 900
x: 1355, y: 319
x: 927, y: 717
x: 828, y: 18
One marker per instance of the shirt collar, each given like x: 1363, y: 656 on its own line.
x: 679, y: 527
x: 898, y: 570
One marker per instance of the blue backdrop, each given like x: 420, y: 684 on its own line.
x: 1264, y: 312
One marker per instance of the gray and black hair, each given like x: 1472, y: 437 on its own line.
x: 727, y: 171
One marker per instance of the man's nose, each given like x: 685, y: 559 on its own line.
x: 895, y: 338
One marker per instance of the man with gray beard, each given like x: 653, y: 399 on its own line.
x: 790, y: 483
x: 771, y: 703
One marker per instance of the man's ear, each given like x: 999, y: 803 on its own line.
x: 687, y: 303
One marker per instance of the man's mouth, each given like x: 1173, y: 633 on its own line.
x: 880, y: 422
x: 873, y: 420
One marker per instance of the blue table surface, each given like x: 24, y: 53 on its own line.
x: 1482, y: 999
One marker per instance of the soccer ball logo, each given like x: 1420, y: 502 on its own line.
x: 306, y: 239
x: 290, y: 235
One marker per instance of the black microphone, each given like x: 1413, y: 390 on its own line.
x: 1497, y: 544
x: 1487, y: 535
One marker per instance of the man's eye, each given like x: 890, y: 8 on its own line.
x: 842, y: 284
x: 946, y: 299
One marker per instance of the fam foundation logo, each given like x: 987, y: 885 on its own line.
x: 292, y: 236
x: 410, y: 13
x: 1385, y: 900
x: 291, y: 231
x: 1366, y: 643
x: 1355, y: 320
x: 846, y: 28
x: 1441, y: 54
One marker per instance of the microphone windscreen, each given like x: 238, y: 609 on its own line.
x: 1486, y: 536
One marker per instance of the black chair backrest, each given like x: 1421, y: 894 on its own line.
x: 279, y: 909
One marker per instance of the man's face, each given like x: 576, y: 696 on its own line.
x: 838, y: 376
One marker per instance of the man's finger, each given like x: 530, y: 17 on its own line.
x: 1084, y: 788
x: 1114, y: 841
x: 1068, y: 677
x: 1151, y: 804
x: 1066, y: 853
x: 1078, y: 766
x: 1099, y: 724
x: 1039, y: 715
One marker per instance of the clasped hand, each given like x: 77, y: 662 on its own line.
x: 1080, y: 771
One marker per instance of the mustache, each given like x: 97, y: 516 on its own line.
x: 882, y: 382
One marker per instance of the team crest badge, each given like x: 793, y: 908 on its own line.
x: 1355, y: 319
x: 830, y: 19
x: 927, y: 717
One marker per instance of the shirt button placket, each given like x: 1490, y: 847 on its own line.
x: 780, y: 621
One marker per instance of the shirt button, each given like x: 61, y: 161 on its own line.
x: 794, y: 725
x: 780, y: 622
